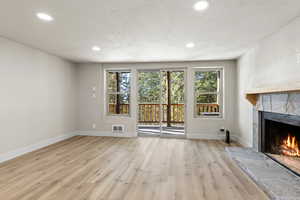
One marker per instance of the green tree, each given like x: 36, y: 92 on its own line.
x: 150, y: 84
x: 149, y: 87
x: 206, y: 86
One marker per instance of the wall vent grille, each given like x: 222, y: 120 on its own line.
x: 118, y: 128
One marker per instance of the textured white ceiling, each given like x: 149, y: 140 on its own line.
x: 144, y: 30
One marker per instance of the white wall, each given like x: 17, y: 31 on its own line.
x: 273, y: 62
x: 91, y: 110
x: 244, y: 108
x: 37, y: 97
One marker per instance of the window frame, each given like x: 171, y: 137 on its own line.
x: 219, y: 93
x: 107, y: 92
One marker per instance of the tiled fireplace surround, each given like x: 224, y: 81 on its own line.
x: 283, y: 103
x: 278, y: 182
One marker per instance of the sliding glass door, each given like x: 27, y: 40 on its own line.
x: 161, y: 108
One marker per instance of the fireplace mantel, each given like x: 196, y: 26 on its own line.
x: 252, y: 95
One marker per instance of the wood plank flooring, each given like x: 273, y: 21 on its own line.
x: 103, y: 168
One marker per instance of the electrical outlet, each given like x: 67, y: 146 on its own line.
x: 94, y: 126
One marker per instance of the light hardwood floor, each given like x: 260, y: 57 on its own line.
x: 104, y: 168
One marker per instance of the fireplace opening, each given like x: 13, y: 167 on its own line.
x: 280, y: 139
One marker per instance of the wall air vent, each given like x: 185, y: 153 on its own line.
x: 118, y: 128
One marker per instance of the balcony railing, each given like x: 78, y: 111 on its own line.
x: 124, y: 108
x: 150, y: 113
x: 208, y: 108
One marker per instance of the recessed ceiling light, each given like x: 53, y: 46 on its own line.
x: 201, y: 5
x: 44, y: 17
x: 96, y: 48
x: 190, y: 45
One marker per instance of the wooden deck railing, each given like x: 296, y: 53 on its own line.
x: 150, y: 113
x: 208, y: 108
x: 124, y: 108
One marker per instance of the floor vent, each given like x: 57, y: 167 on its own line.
x: 118, y: 128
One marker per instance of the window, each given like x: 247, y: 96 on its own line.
x: 208, y: 92
x: 118, y: 92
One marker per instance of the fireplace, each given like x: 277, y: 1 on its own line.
x: 279, y: 138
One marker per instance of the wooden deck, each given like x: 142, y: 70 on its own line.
x: 103, y: 168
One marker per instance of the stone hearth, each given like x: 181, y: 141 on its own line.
x: 278, y: 182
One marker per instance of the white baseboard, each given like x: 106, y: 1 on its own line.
x: 211, y: 136
x: 21, y: 151
x: 206, y: 136
x: 105, y: 134
x: 243, y: 142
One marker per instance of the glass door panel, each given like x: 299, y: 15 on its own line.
x: 149, y: 107
x: 173, y: 103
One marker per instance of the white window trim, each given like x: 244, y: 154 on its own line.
x: 107, y: 93
x: 220, y: 92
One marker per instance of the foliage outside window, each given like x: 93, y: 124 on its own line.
x: 152, y: 82
x: 149, y: 87
x: 118, y: 92
x: 208, y: 92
